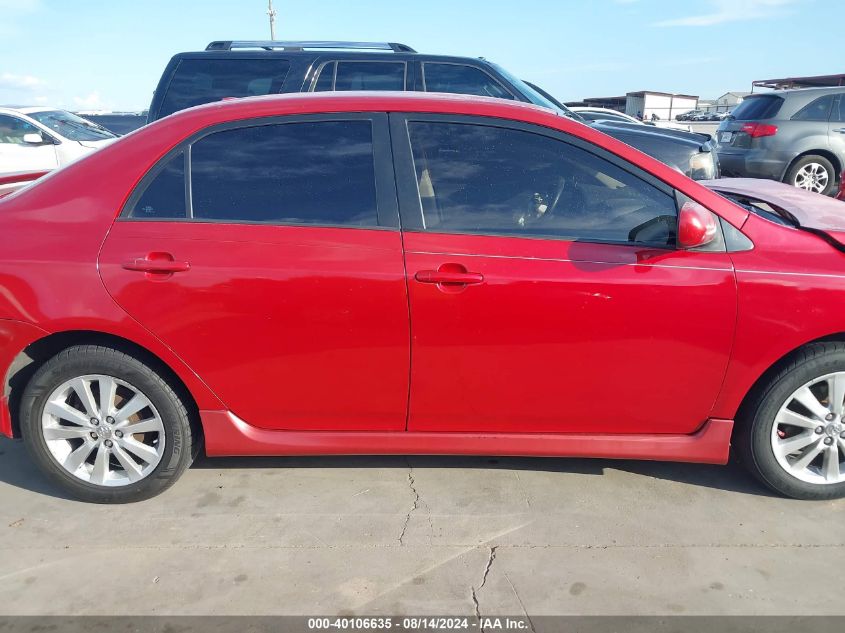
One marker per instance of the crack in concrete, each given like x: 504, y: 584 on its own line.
x: 521, y: 604
x: 414, y: 507
x: 475, y: 591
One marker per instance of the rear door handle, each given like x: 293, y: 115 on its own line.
x: 449, y: 276
x: 841, y: 130
x: 445, y: 277
x: 157, y: 263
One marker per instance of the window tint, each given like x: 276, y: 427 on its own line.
x: 325, y: 81
x: 164, y: 196
x: 839, y: 113
x: 481, y: 179
x: 370, y: 76
x: 762, y: 107
x: 198, y: 81
x: 464, y: 80
x: 817, y: 110
x: 13, y: 129
x: 299, y: 173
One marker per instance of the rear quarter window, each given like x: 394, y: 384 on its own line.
x: 754, y: 108
x: 198, y: 81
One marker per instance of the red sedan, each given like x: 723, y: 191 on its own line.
x: 393, y: 273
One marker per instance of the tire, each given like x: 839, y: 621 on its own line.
x: 760, y: 425
x: 805, y: 167
x: 159, y: 451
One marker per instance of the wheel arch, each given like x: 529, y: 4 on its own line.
x: 742, y: 413
x: 824, y: 153
x: 29, y: 359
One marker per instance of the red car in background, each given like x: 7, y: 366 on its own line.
x: 399, y: 273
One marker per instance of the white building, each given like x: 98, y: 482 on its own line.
x: 725, y: 103
x: 665, y: 105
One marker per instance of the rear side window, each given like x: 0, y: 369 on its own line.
x: 164, y: 197
x: 839, y: 112
x: 816, y: 110
x: 753, y: 108
x: 460, y: 79
x: 491, y: 180
x: 319, y: 173
x: 292, y: 173
x: 198, y: 81
x: 360, y: 75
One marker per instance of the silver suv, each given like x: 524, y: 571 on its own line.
x: 795, y: 136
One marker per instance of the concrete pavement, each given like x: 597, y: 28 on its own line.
x: 424, y: 535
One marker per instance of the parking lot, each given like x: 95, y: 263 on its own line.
x: 424, y: 535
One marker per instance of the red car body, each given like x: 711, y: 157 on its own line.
x: 566, y: 348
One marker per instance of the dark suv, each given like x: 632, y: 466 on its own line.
x: 230, y: 69
x: 795, y: 136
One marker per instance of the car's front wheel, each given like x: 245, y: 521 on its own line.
x: 104, y: 426
x: 813, y: 173
x: 792, y: 433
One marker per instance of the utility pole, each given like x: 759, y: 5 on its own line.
x: 272, y: 13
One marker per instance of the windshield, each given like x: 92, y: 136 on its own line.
x: 529, y: 92
x: 762, y: 107
x: 71, y: 127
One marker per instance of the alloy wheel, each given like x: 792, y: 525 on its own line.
x: 808, y: 436
x: 812, y: 177
x: 103, y: 430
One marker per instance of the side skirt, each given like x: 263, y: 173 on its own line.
x: 227, y: 435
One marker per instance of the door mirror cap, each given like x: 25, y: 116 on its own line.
x: 697, y: 226
x: 33, y: 138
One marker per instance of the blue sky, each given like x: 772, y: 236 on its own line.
x: 84, y: 54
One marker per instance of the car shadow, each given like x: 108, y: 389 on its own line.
x: 16, y: 469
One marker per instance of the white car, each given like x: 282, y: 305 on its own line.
x: 606, y: 114
x: 39, y: 138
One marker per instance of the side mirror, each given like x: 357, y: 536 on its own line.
x: 33, y: 138
x: 697, y: 226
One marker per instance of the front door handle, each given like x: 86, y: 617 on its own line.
x: 449, y: 276
x: 157, y: 263
x: 841, y: 130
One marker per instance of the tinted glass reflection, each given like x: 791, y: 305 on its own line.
x: 492, y: 180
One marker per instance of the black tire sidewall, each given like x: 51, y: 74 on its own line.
x: 815, y: 158
x: 97, y: 360
x: 760, y: 446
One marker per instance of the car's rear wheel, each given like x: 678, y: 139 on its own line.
x: 104, y: 426
x: 813, y: 173
x: 792, y: 433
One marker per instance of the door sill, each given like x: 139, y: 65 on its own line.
x: 227, y: 435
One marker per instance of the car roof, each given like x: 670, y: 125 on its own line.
x: 799, y: 91
x: 332, y: 54
x: 361, y: 101
x: 25, y: 109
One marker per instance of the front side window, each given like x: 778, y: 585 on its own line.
x: 198, y: 81
x: 817, y: 110
x: 13, y: 129
x: 491, y: 180
x: 460, y: 79
x: 360, y: 75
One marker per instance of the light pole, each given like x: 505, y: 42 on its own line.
x: 272, y: 13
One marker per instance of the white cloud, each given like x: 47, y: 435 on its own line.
x: 732, y: 11
x: 10, y: 80
x: 89, y: 102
